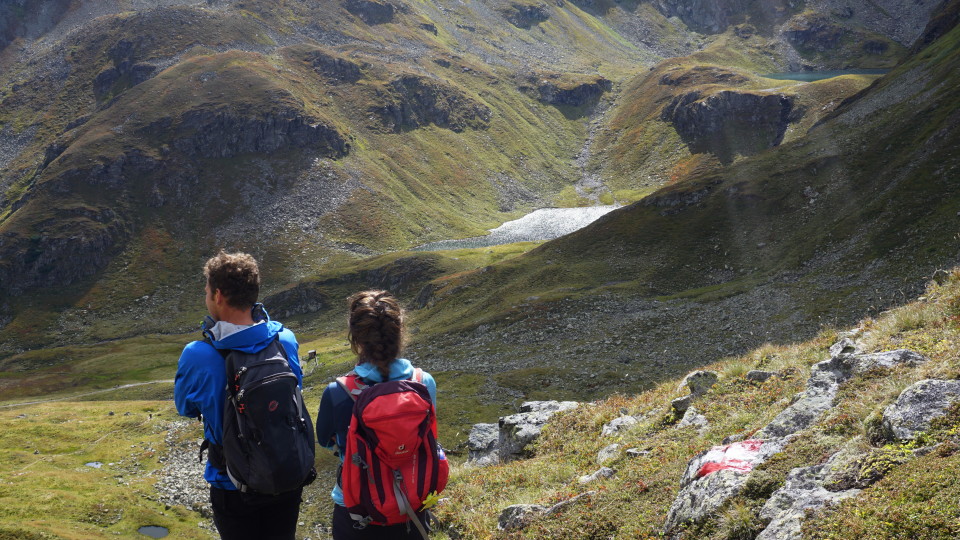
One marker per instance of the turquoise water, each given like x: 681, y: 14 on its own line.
x: 810, y: 76
x: 154, y: 531
x: 537, y: 226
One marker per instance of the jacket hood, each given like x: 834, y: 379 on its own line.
x: 248, y: 339
x: 400, y: 369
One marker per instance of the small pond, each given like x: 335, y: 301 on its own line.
x: 539, y: 225
x: 154, y: 531
x: 810, y: 76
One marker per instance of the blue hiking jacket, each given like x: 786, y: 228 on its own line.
x: 336, y: 407
x: 201, y: 381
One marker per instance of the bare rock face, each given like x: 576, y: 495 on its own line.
x: 125, y: 73
x: 218, y: 133
x: 729, y: 122
x: 525, y: 15
x: 371, y: 11
x: 573, y: 94
x: 88, y: 240
x: 295, y: 301
x: 814, y: 32
x: 413, y: 101
x: 29, y: 18
x: 336, y: 68
x: 133, y: 74
x: 708, y: 16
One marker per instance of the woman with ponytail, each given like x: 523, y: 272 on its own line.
x: 375, y: 332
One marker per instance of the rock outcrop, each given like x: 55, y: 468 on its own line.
x: 708, y: 483
x: 519, y: 516
x: 825, y: 380
x: 113, y: 80
x: 814, y: 32
x: 88, y: 239
x: 220, y: 133
x: 371, y: 11
x: 413, y: 101
x: 708, y: 16
x: 618, y: 424
x: 697, y: 383
x: 704, y: 490
x: 730, y: 123
x: 482, y: 444
x: 918, y: 405
x: 333, y: 67
x: 526, y: 15
x: 514, y: 433
x: 29, y: 18
x: 575, y: 93
x: 298, y: 300
x: 788, y: 506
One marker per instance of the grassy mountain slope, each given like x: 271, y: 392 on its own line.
x: 309, y: 132
x: 819, y: 228
x: 342, y: 137
x: 634, y: 502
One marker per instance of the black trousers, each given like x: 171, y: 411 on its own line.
x: 343, y: 529
x: 241, y: 516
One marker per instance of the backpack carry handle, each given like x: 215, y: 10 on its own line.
x: 352, y: 384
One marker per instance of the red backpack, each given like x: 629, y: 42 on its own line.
x: 393, y: 466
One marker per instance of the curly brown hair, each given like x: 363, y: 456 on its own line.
x: 236, y: 275
x: 376, y: 328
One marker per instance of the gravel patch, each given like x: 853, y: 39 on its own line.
x: 180, y: 482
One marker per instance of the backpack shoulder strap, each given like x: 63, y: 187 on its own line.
x: 417, y: 375
x: 223, y: 352
x: 350, y: 383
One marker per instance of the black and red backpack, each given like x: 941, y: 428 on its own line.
x: 393, y: 467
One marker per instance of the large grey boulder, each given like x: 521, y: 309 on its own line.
x: 703, y: 494
x: 618, y: 424
x: 699, y: 382
x: 788, y: 506
x: 603, y: 472
x: 693, y: 418
x: 920, y: 403
x: 509, y: 438
x: 482, y: 444
x: 519, y: 516
x: 608, y: 453
x: 517, y: 431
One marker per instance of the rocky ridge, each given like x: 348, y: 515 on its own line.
x: 715, y: 476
